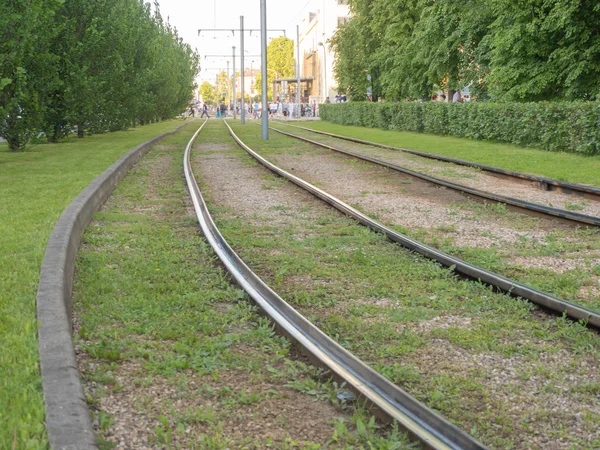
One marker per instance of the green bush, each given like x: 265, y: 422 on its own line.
x: 572, y: 127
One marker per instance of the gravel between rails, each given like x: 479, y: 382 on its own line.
x: 471, y: 177
x: 448, y: 218
x: 172, y: 354
x: 512, y: 377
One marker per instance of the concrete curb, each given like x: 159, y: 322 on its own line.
x: 67, y: 415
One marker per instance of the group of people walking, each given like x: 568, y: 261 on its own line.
x: 279, y: 108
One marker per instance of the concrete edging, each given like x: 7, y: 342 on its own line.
x: 67, y: 415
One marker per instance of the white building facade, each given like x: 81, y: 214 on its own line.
x: 316, y: 58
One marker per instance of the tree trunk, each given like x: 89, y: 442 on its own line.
x: 450, y: 95
x: 80, y: 132
x: 14, y: 145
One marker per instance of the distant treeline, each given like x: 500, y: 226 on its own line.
x: 88, y: 65
x: 528, y: 50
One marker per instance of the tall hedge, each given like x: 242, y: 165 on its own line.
x: 572, y: 127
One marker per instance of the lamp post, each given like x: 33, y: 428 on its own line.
x: 324, y: 68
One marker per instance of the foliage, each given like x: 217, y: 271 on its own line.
x: 100, y: 65
x: 565, y: 126
x: 223, y: 87
x: 208, y: 93
x: 27, y: 67
x: 280, y: 63
x: 504, y: 50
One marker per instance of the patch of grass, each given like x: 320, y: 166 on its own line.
x: 35, y: 187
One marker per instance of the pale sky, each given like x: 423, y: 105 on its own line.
x: 188, y: 16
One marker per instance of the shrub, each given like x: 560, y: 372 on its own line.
x: 554, y: 126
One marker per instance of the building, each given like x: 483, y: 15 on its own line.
x: 316, y: 58
x: 249, y: 82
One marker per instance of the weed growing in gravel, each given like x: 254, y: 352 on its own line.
x: 395, y: 309
x: 174, y: 355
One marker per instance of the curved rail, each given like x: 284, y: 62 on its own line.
x: 521, y: 205
x: 420, y: 421
x: 506, y: 285
x: 547, y: 184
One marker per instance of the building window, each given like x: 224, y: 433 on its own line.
x: 343, y: 20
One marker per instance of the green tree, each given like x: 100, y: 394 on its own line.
x: 223, y: 87
x: 208, y: 93
x: 280, y: 63
x: 544, y: 49
x: 28, y: 69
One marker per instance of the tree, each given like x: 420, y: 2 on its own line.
x: 544, y: 49
x: 280, y: 63
x: 28, y: 69
x: 208, y: 93
x: 223, y: 85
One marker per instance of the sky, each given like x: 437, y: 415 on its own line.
x: 188, y: 16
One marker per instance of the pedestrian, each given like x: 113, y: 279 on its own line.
x: 327, y: 100
x: 255, y: 107
x: 457, y: 97
x: 223, y: 109
x: 205, y: 111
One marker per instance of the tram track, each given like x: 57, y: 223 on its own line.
x: 526, y: 207
x: 212, y: 162
x: 544, y: 183
x: 497, y: 281
x: 421, y: 422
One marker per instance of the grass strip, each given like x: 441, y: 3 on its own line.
x: 35, y: 187
x: 562, y: 166
x: 176, y: 356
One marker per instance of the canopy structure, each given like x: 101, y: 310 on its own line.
x: 287, y: 88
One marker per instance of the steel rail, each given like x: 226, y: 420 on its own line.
x: 514, y: 288
x: 515, y: 203
x: 421, y: 422
x: 547, y: 184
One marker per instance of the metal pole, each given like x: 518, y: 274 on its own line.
x: 234, y: 81
x: 325, y: 71
x: 299, y: 87
x: 228, y: 89
x: 263, y: 46
x: 243, y: 72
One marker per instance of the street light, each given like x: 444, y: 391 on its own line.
x: 324, y: 68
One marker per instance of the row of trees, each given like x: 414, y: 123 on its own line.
x: 504, y: 50
x: 93, y: 65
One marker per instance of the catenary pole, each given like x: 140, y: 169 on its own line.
x: 263, y: 46
x: 234, y: 90
x: 228, y: 87
x: 242, y: 72
x: 299, y: 89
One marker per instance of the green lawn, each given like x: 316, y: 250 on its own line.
x: 35, y: 187
x: 562, y: 166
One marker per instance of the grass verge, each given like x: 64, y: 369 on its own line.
x: 35, y: 187
x: 562, y: 166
